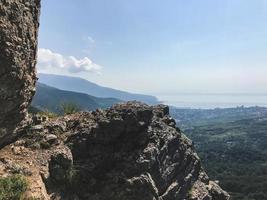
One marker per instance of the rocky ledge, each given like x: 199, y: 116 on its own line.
x: 131, y: 151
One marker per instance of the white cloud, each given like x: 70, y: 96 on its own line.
x: 90, y: 39
x: 51, y: 62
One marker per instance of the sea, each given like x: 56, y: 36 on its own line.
x: 211, y: 101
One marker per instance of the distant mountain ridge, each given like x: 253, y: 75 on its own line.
x: 83, y: 86
x: 51, y: 98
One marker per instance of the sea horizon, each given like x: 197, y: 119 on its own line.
x: 214, y: 100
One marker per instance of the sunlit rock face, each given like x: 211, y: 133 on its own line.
x: 19, y: 22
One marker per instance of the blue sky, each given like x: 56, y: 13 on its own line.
x: 158, y: 47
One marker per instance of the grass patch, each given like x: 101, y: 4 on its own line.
x: 48, y: 113
x: 13, y: 187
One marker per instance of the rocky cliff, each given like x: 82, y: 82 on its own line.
x: 18, y: 44
x: 131, y: 151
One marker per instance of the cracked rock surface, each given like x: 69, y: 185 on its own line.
x: 131, y: 151
x: 134, y: 151
x: 19, y: 21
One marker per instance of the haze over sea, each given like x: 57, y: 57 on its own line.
x: 212, y: 100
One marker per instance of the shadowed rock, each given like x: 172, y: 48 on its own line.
x: 19, y: 21
x: 130, y: 152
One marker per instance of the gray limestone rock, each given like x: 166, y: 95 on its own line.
x: 19, y: 22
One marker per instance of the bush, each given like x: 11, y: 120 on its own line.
x: 48, y: 114
x: 12, y: 187
x: 69, y: 108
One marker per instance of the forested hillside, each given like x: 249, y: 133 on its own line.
x: 52, y: 99
x: 232, y: 144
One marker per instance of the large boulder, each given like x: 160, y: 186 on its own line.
x: 134, y: 151
x: 60, y: 166
x: 19, y: 22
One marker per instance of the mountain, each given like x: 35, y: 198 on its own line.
x: 83, y: 86
x: 51, y: 98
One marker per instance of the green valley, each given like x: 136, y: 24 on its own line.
x: 232, y: 144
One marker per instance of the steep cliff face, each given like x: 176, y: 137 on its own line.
x: 18, y: 44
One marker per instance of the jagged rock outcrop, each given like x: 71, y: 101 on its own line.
x: 134, y: 151
x: 18, y: 44
x: 129, y: 152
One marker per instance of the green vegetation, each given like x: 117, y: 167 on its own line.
x: 50, y: 99
x: 44, y: 145
x: 69, y: 108
x: 232, y: 144
x: 235, y: 154
x: 48, y: 113
x: 190, y: 193
x: 12, y: 187
x: 73, y: 179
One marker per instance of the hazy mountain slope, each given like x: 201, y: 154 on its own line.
x: 50, y: 98
x: 84, y: 86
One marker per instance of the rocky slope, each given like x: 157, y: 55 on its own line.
x: 18, y: 43
x: 129, y: 152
